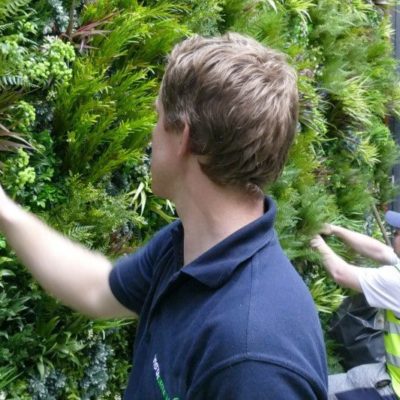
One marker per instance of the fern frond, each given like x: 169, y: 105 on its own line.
x: 4, y: 27
x: 12, y: 80
x: 10, y: 8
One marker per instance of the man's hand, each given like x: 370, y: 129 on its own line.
x: 327, y: 229
x: 362, y: 244
x: 344, y: 274
x: 317, y: 242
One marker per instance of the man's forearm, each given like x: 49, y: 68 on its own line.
x: 365, y: 245
x: 343, y: 273
x: 73, y: 274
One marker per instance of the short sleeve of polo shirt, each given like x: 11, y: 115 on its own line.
x: 381, y: 287
x: 394, y: 259
x: 257, y: 380
x: 131, y: 277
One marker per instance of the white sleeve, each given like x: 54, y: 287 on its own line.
x: 395, y: 260
x: 381, y: 287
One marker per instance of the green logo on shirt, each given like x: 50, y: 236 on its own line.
x: 160, y: 382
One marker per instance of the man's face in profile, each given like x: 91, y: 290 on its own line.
x: 164, y: 163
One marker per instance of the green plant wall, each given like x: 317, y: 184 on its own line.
x: 78, y: 81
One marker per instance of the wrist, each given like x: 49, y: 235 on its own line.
x: 325, y: 250
x: 319, y: 244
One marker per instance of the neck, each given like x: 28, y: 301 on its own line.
x: 210, y: 213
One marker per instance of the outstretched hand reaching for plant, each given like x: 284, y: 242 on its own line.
x: 327, y: 229
x: 317, y: 243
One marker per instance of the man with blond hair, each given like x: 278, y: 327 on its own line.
x: 223, y: 313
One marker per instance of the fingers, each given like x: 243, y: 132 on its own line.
x: 317, y: 242
x: 326, y: 229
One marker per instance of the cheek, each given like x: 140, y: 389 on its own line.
x: 396, y: 244
x: 155, y: 146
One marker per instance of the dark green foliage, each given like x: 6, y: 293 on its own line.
x: 49, y: 388
x: 91, y: 216
x: 94, y: 383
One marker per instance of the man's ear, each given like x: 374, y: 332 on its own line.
x: 184, y: 143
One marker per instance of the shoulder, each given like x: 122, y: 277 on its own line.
x: 283, y: 319
x: 388, y: 275
x: 381, y: 287
x: 267, y: 306
x: 270, y: 318
x: 278, y: 290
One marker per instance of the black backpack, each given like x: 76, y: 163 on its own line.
x: 358, y: 330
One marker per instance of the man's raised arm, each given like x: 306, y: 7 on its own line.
x: 363, y: 244
x: 75, y: 275
x: 343, y: 273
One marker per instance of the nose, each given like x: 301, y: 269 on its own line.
x: 396, y: 242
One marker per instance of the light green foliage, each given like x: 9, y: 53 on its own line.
x: 23, y: 115
x: 24, y: 61
x: 104, y: 117
x: 12, y: 26
x: 51, y: 65
x: 18, y: 173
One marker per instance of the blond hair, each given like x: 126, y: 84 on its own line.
x: 240, y: 101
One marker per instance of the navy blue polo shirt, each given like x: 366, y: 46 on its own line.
x: 236, y: 323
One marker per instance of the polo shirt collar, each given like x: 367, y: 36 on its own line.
x: 214, y: 267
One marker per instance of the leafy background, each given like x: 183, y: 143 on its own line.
x: 78, y: 81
